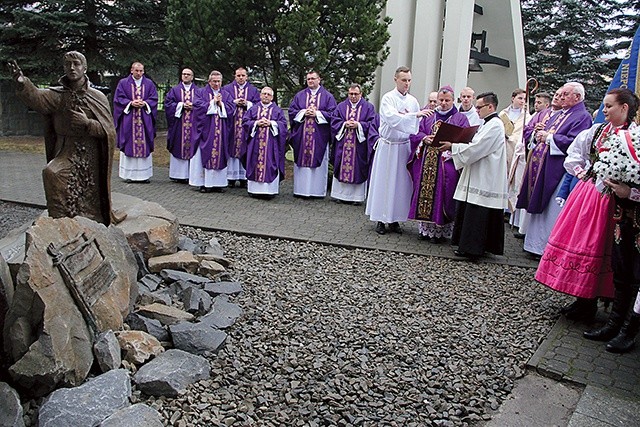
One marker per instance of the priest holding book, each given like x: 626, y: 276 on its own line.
x: 482, y: 189
x: 433, y: 173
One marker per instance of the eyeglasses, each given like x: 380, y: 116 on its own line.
x: 480, y: 107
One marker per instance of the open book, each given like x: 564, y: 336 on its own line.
x: 454, y: 134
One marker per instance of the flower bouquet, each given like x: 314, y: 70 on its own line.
x: 618, y: 158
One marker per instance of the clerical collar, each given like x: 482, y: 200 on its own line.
x: 490, y: 116
x: 402, y: 94
x: 266, y: 105
x: 241, y: 86
x: 314, y: 91
x: 187, y: 86
x: 444, y: 113
x: 354, y: 105
x: 462, y: 110
x: 138, y: 82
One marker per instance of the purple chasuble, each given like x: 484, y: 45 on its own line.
x: 238, y: 139
x: 309, y: 139
x: 135, y: 129
x: 180, y: 129
x: 351, y: 157
x: 212, y: 131
x: 544, y: 171
x: 434, y: 177
x: 264, y: 157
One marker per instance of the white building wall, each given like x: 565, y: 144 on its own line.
x: 433, y: 38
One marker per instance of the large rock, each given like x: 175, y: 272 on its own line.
x: 10, y: 407
x: 150, y: 228
x: 46, y: 336
x: 224, y: 313
x: 223, y: 288
x: 182, y: 260
x: 138, y: 415
x: 138, y: 346
x: 88, y: 404
x: 170, y: 373
x: 6, y: 296
x: 210, y: 268
x: 12, y: 249
x: 171, y: 276
x: 150, y: 326
x: 167, y: 315
x: 107, y: 351
x: 197, y: 338
x: 195, y: 301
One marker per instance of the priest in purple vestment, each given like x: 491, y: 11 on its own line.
x: 135, y: 107
x: 545, y: 167
x: 244, y: 95
x: 309, y: 115
x: 178, y: 106
x: 266, y: 128
x: 350, y: 125
x: 213, y: 111
x: 433, y: 173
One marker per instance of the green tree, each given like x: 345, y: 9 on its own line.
x: 111, y: 34
x: 570, y: 40
x: 279, y: 40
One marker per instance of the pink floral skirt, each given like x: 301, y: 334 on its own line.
x: 577, y: 258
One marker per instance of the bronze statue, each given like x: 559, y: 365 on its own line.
x: 79, y: 141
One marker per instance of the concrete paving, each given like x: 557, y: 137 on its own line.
x: 565, y: 365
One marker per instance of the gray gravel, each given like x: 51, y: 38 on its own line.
x: 13, y: 215
x: 333, y: 336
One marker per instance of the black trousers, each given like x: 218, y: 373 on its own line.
x: 478, y: 229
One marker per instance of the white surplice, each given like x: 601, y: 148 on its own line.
x: 390, y: 185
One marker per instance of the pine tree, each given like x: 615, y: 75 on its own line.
x: 110, y: 33
x: 571, y: 40
x: 279, y: 41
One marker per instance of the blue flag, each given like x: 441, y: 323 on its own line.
x: 627, y: 74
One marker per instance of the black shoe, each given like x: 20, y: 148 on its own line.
x: 570, y: 307
x: 606, y: 333
x: 230, y: 183
x: 464, y: 254
x: 394, y: 227
x: 519, y: 235
x: 380, y: 228
x: 217, y: 190
x: 204, y: 189
x: 438, y: 240
x: 242, y: 183
x: 423, y: 237
x: 626, y: 338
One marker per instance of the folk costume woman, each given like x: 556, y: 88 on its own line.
x: 577, y: 258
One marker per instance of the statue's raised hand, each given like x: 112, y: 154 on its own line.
x: 15, y: 70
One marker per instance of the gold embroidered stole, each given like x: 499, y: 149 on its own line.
x: 308, y: 136
x: 263, y: 143
x: 348, y: 159
x: 237, y: 124
x: 138, y: 136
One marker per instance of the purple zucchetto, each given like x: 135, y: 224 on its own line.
x: 446, y: 88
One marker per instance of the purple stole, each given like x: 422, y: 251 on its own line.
x: 215, y: 160
x: 348, y: 160
x: 263, y: 143
x: 539, y: 152
x: 138, y: 136
x: 238, y: 134
x: 308, y: 132
x: 187, y: 122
